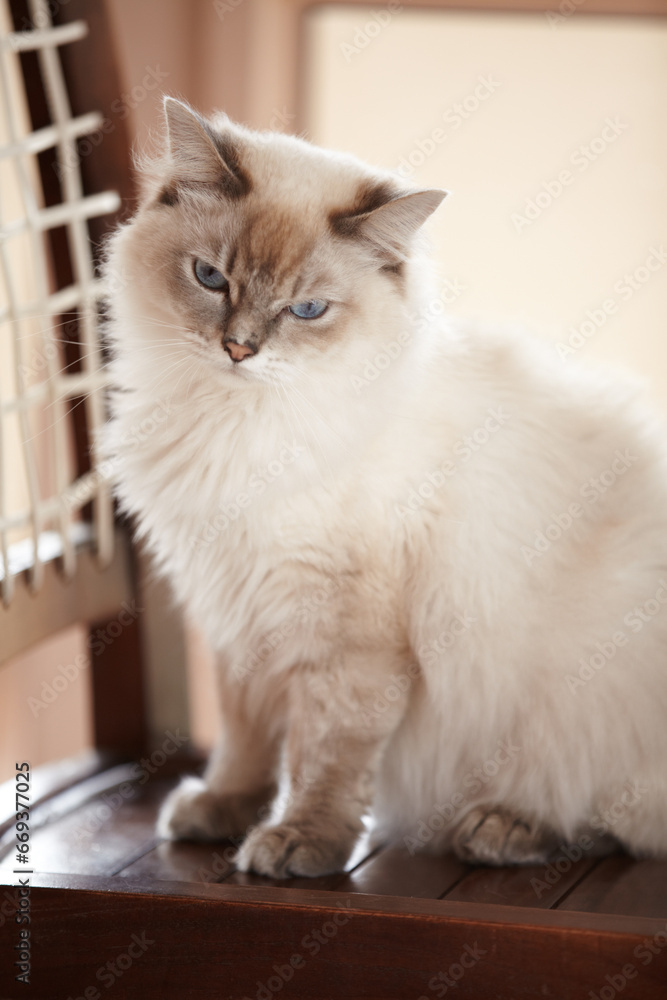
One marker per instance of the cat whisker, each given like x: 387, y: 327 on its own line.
x: 282, y: 401
x: 322, y: 420
x: 64, y: 369
x: 321, y: 449
x: 54, y: 423
x: 192, y: 371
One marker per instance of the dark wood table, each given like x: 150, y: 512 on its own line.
x: 115, y: 912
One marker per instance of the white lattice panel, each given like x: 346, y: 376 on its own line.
x: 40, y: 495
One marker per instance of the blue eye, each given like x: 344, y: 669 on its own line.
x: 309, y: 310
x: 210, y: 277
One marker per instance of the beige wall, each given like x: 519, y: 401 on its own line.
x: 41, y: 722
x: 235, y: 56
x: 551, y: 87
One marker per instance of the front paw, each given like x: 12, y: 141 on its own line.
x: 286, y: 850
x: 194, y: 812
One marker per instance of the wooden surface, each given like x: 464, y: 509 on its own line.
x: 383, y: 929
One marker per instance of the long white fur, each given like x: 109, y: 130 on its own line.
x: 188, y: 433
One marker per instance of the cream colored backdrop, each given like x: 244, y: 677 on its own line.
x: 495, y: 107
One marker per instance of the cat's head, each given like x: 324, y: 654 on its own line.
x: 267, y: 254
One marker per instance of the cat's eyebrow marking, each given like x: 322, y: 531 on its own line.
x: 241, y: 290
x: 269, y: 248
x: 296, y: 286
x: 231, y: 260
x: 396, y: 270
x: 307, y: 278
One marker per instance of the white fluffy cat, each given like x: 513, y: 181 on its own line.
x: 432, y: 560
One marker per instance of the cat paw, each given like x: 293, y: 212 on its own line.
x: 284, y: 850
x: 194, y: 812
x: 490, y: 835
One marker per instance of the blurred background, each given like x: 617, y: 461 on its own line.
x: 547, y: 125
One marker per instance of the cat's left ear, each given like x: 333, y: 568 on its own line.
x: 390, y: 228
x: 202, y: 154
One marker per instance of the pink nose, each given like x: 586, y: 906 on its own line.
x: 238, y: 352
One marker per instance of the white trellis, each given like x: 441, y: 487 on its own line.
x: 46, y: 521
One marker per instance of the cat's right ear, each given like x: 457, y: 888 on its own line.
x: 200, y: 154
x: 388, y: 227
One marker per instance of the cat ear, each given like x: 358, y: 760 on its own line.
x: 390, y: 227
x: 200, y: 154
